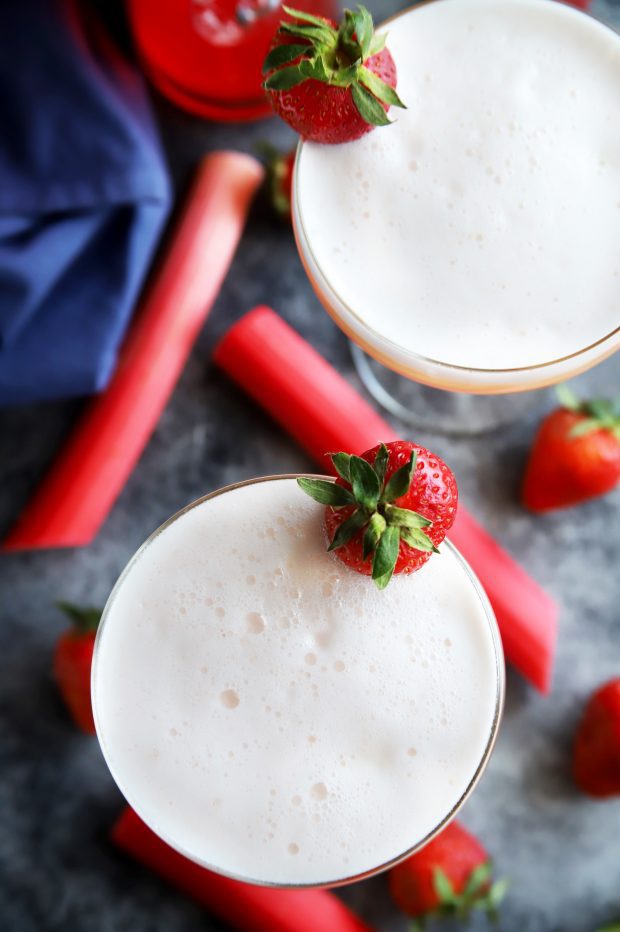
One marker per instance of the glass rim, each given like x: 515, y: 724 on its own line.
x: 355, y: 327
x: 328, y: 882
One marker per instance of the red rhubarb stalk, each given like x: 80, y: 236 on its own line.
x: 320, y: 410
x: 91, y: 470
x: 241, y: 906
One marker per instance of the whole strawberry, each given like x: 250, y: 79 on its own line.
x: 450, y: 876
x: 575, y: 456
x: 596, y: 753
x: 72, y: 663
x: 331, y: 84
x: 389, y: 508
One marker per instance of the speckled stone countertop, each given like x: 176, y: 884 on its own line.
x: 57, y: 801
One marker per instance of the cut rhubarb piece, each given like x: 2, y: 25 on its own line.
x: 91, y: 470
x: 241, y: 906
x: 320, y: 410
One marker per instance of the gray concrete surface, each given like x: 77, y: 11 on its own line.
x: 57, y: 801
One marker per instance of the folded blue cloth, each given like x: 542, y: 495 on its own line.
x: 84, y: 194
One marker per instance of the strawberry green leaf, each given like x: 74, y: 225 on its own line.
x: 326, y: 492
x: 379, y: 88
x: 403, y: 517
x: 377, y: 44
x: 313, y: 68
x: 285, y: 78
x: 478, y: 879
x: 84, y: 619
x: 600, y: 408
x: 400, y: 481
x: 323, y: 34
x: 599, y: 413
x: 344, y: 77
x: 585, y: 427
x: 364, y: 482
x: 368, y: 106
x: 305, y: 17
x: 418, y: 540
x: 614, y: 927
x: 567, y: 398
x: 380, y: 464
x: 346, y: 40
x: 283, y: 54
x: 363, y: 29
x: 443, y: 887
x: 385, y: 557
x: 349, y: 529
x: 497, y: 893
x: 342, y: 465
x: 376, y: 527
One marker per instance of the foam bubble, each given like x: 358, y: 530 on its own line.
x: 255, y: 623
x: 229, y: 699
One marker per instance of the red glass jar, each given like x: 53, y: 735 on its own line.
x: 206, y: 55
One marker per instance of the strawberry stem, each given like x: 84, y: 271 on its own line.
x: 386, y: 524
x: 599, y: 413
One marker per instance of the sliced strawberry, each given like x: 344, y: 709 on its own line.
x: 331, y: 84
x: 389, y: 508
x: 450, y: 876
x: 596, y: 753
x: 575, y: 456
x: 73, y: 661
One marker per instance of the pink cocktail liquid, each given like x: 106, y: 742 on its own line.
x: 206, y: 55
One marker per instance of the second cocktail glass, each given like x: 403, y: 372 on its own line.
x: 473, y: 245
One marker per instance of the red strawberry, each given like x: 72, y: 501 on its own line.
x: 331, y: 84
x: 388, y: 509
x: 596, y: 754
x: 72, y: 663
x: 450, y: 876
x: 575, y: 456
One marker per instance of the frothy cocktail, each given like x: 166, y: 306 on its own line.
x: 475, y: 243
x: 270, y: 713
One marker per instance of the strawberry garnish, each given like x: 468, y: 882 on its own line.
x: 331, y: 84
x: 576, y: 454
x: 73, y: 660
x: 450, y: 876
x: 596, y: 753
x: 389, y: 508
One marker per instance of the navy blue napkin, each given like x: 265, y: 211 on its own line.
x: 84, y: 194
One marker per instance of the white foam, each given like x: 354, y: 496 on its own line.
x: 278, y: 756
x: 482, y: 229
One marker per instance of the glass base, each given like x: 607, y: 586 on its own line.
x: 437, y: 411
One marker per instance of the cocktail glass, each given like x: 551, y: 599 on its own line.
x: 427, y: 390
x: 124, y: 755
